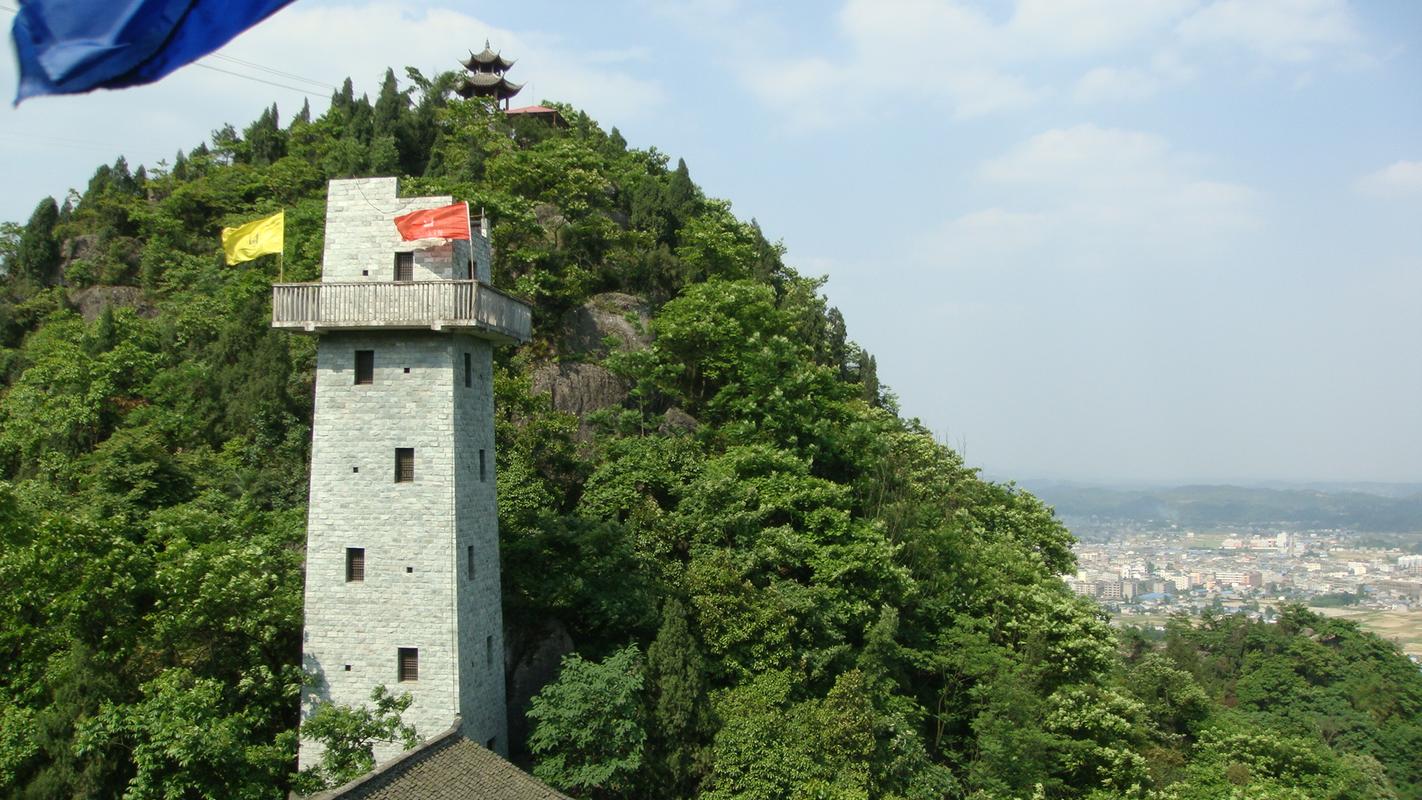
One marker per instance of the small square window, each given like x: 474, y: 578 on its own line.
x: 409, y: 664
x: 355, y: 469
x: 409, y: 570
x: 407, y: 370
x: 364, y: 367
x: 404, y: 464
x: 348, y: 668
x: 404, y: 267
x: 355, y: 564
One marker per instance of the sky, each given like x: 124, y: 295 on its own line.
x: 1093, y: 240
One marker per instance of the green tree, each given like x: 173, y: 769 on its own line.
x: 677, y: 685
x: 589, y: 736
x: 348, y: 736
x: 35, y: 257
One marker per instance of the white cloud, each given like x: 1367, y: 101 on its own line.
x: 1398, y: 179
x: 1089, y: 27
x: 968, y: 58
x: 1095, y: 198
x: 1111, y: 85
x: 1288, y: 31
x: 1079, y: 155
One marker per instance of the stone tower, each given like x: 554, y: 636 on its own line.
x: 402, y: 541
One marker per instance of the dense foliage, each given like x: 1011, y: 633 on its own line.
x: 776, y: 586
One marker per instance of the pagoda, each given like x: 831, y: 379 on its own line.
x: 486, y: 77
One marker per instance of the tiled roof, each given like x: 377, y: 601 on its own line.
x: 448, y: 767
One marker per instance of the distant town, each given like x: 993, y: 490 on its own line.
x: 1142, y: 576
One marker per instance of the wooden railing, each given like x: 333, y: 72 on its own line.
x: 413, y: 304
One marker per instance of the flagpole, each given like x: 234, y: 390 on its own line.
x: 281, y: 254
x: 469, y: 226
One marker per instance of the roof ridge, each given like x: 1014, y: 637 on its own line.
x: 420, y: 749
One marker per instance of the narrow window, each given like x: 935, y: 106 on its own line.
x: 468, y: 370
x: 483, y: 465
x: 469, y: 560
x: 404, y: 267
x: 404, y: 464
x: 364, y: 366
x: 355, y: 564
x: 409, y: 664
x: 489, y: 650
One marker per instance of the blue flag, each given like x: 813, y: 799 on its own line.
x: 73, y: 46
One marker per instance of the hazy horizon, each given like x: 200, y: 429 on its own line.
x: 1086, y: 238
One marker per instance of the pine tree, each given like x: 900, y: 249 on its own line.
x: 677, y: 683
x: 390, y: 107
x: 681, y: 192
x: 342, y: 101
x: 37, y: 257
x: 265, y: 141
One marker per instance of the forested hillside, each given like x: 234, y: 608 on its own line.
x: 773, y: 584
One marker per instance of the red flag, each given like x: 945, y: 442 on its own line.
x: 450, y: 222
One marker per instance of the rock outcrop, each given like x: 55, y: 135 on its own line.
x: 579, y: 384
x: 92, y: 301
x: 531, y: 669
x: 621, y: 316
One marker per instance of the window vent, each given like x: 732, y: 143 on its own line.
x: 409, y: 664
x: 404, y: 464
x: 364, y: 367
x: 355, y: 564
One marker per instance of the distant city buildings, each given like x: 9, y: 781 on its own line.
x: 1171, y: 571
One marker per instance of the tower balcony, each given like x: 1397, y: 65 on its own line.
x: 465, y: 305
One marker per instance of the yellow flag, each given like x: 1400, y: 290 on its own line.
x: 257, y: 238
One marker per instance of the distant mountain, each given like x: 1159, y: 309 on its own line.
x: 1202, y: 506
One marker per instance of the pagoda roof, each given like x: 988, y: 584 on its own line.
x: 485, y: 84
x: 486, y: 60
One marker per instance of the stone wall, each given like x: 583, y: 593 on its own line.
x: 479, y: 594
x: 361, y: 239
x: 417, y: 590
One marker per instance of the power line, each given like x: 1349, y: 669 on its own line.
x: 281, y: 73
x: 60, y: 141
x: 255, y: 78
